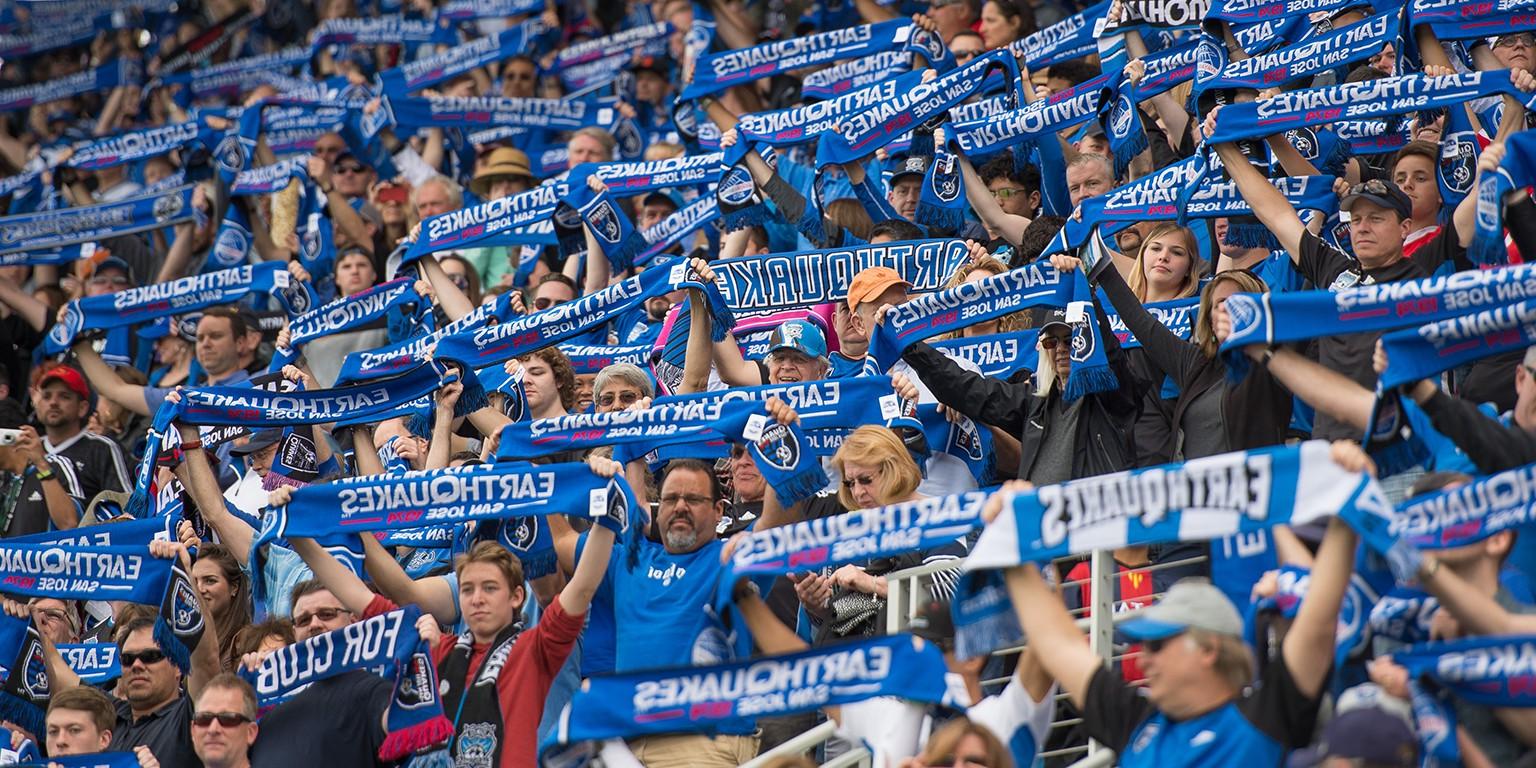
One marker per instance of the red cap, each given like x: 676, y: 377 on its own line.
x: 70, y: 377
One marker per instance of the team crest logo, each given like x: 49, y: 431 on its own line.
x: 68, y: 326
x: 1305, y: 142
x: 686, y: 121
x: 476, y: 747
x: 605, y: 222
x: 930, y: 44
x: 310, y: 242
x: 736, y: 187
x: 231, y: 247
x: 965, y: 437
x: 566, y: 217
x: 1083, y: 343
x: 1120, y: 117
x: 167, y: 206
x: 1244, y: 311
x: 628, y: 136
x: 779, y: 447
x: 1208, y: 59
x: 35, y: 671
x: 186, y: 613
x: 522, y: 533
x: 1458, y: 163
x: 618, y: 505
x: 514, y: 407
x: 296, y: 296
x: 299, y: 452
x: 229, y: 155
x: 946, y: 184
x: 1488, y: 204
x: 415, y: 689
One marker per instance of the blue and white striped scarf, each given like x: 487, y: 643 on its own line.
x: 716, y: 72
x: 847, y: 76
x: 103, y: 78
x: 49, y: 230
x: 1353, y: 43
x: 949, y: 310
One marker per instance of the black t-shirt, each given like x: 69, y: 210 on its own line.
x: 98, y: 463
x: 1329, y: 268
x: 29, y: 513
x: 334, y: 723
x: 167, y: 732
x: 1275, y: 717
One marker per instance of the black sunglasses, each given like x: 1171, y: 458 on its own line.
x: 349, y: 169
x: 1156, y: 646
x: 226, y: 719
x: 151, y: 656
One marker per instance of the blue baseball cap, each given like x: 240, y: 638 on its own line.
x: 800, y: 335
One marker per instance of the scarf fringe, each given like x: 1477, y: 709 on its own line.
x: 1134, y: 144
x: 749, y: 216
x: 1085, y: 381
x: 812, y: 226
x: 174, y: 649
x: 537, y: 564
x: 1250, y: 235
x: 939, y: 220
x: 437, y: 758
x: 415, y: 738
x: 473, y: 398
x: 801, y: 485
x: 21, y: 712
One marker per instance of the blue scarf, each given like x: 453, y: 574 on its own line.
x: 802, y: 124
x: 1404, y: 614
x: 941, y: 205
x: 949, y: 310
x: 346, y: 313
x: 1243, y: 12
x: 1091, y: 371
x: 676, y: 227
x: 1515, y: 172
x: 15, y: 47
x: 1157, y: 13
x: 1121, y: 120
x: 715, y: 72
x: 382, y: 30
x: 473, y: 10
x: 998, y: 355
x: 469, y: 111
x: 872, y: 129
x: 620, y: 45
x: 1274, y: 318
x: 1482, y: 671
x: 127, y: 573
x: 1457, y: 168
x: 1070, y: 38
x: 588, y: 359
x: 95, y: 663
x: 1037, y: 119
x: 757, y: 285
x: 95, y: 760
x: 503, y: 221
x: 176, y: 297
x: 406, y: 355
x: 519, y: 336
x: 415, y: 717
x: 841, y: 78
x: 1353, y: 43
x: 1236, y: 492
x: 1470, y: 513
x: 704, y: 699
x: 777, y: 450
x: 1177, y: 315
x: 269, y: 179
x: 101, y: 79
x: 232, y: 77
x: 429, y: 71
x: 49, y: 230
x: 1452, y: 20
x: 228, y: 406
x: 1164, y: 70
x: 140, y: 145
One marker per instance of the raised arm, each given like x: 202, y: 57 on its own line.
x: 1009, y: 226
x: 106, y: 382
x: 432, y: 594
x: 696, y: 360
x: 1269, y: 206
x: 196, y: 476
x: 588, y: 576
x: 1060, y: 646
x: 1308, y: 645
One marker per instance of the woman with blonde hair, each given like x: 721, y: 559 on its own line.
x: 1165, y: 265
x: 963, y: 744
x: 884, y: 471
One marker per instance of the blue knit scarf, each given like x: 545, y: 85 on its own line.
x: 777, y: 450
x: 852, y: 75
x: 1165, y: 70
x: 142, y: 144
x: 99, y: 80
x: 1516, y: 171
x: 710, y: 698
x: 941, y: 205
x: 998, y: 355
x: 1070, y: 38
x: 94, y: 760
x: 49, y: 230
x: 402, y: 356
x: 414, y: 719
x: 1156, y: 13
x: 675, y: 228
x: 1353, y: 43
x: 471, y: 111
x: 1482, y: 671
x: 127, y: 573
x: 883, y: 123
x: 381, y: 30
x: 1452, y: 20
x: 1245, y: 12
x: 758, y: 285
x: 441, y: 67
x: 949, y: 310
x: 231, y: 77
x: 716, y: 72
x: 473, y: 10
x: 610, y: 47
x: 1469, y: 513
x: 1046, y: 117
x: 346, y: 313
x: 188, y: 294
x: 94, y: 663
x: 1233, y: 493
x: 802, y: 124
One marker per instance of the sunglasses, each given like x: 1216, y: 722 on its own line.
x: 1052, y: 342
x: 1156, y: 646
x: 226, y: 719
x: 459, y: 281
x: 862, y: 482
x: 151, y: 656
x: 349, y: 168
x: 323, y: 614
x: 964, y: 55
x: 545, y: 303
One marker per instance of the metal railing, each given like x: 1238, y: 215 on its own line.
x: 908, y: 590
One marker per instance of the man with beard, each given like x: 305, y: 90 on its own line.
x: 63, y: 403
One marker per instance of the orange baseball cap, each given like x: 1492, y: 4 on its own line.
x: 871, y: 283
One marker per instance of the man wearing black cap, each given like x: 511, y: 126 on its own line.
x: 906, y: 186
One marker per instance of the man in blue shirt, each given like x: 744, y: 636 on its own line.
x: 1199, y: 707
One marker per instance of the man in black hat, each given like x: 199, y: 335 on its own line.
x: 906, y: 185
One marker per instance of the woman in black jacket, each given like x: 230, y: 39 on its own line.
x: 1059, y: 440
x: 1213, y: 415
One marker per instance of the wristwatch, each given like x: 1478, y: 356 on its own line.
x: 45, y: 474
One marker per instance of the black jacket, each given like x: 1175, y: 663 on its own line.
x: 1103, y: 440
x: 1491, y: 445
x: 1255, y: 412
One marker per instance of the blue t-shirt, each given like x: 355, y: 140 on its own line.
x: 844, y: 367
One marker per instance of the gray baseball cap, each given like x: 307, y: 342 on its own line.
x: 1192, y: 603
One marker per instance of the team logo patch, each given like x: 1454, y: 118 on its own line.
x: 231, y: 247
x: 1083, y: 344
x: 1120, y: 117
x: 167, y: 206
x: 35, y: 671
x: 186, y: 613
x: 1305, y: 142
x: 736, y: 187
x: 946, y: 184
x: 68, y: 326
x: 964, y: 436
x: 296, y: 297
x: 521, y: 533
x: 929, y: 43
x: 567, y: 217
x: 630, y: 142
x: 476, y: 746
x: 1244, y: 311
x: 605, y: 222
x: 229, y: 155
x: 415, y: 688
x: 618, y: 504
x: 779, y: 447
x: 1458, y: 163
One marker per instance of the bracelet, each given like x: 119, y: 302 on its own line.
x: 1428, y: 569
x: 45, y: 474
x: 192, y: 445
x: 1269, y: 354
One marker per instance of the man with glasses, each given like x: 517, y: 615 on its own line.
x: 953, y: 17
x: 1515, y: 50
x: 965, y: 46
x: 519, y: 78
x: 224, y: 724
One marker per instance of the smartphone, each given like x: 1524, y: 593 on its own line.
x: 393, y: 193
x: 9, y: 436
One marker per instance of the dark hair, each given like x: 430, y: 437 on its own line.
x: 1425, y: 149
x: 132, y: 625
x: 1074, y: 71
x: 89, y: 700
x: 896, y: 228
x: 999, y: 167
x: 305, y: 587
x: 1018, y: 10
x: 557, y: 277
x: 1434, y: 482
x: 249, y: 638
x: 560, y: 366
x: 716, y: 489
x: 1364, y: 73
x: 12, y: 415
x: 239, y: 614
x: 1037, y: 236
x: 237, y: 322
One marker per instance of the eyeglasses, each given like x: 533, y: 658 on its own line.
x: 673, y: 500
x: 1007, y: 192
x: 1052, y: 342
x: 109, y: 280
x: 963, y: 760
x: 623, y: 398
x: 349, y: 168
x: 151, y: 656
x: 1372, y: 187
x: 1510, y: 41
x: 862, y: 482
x: 544, y: 302
x: 226, y: 719
x: 323, y: 614
x: 963, y: 55
x: 52, y: 614
x: 460, y: 281
x: 1156, y: 646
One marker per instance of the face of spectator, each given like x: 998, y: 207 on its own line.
x: 997, y: 29
x: 952, y: 17
x: 519, y: 79
x: 327, y: 147
x: 1056, y: 344
x: 1375, y: 233
x: 488, y: 603
x: 904, y: 194
x: 317, y: 613
x: 214, y: 742
x: 1431, y: 131
x: 651, y: 214
x: 52, y: 618
x: 1087, y: 180
x: 688, y: 514
x: 109, y: 280
x: 1415, y: 174
x: 1094, y: 145
x: 1128, y: 240
x: 864, y: 314
x: 787, y: 366
x: 650, y: 87
x: 218, y: 349
x: 352, y: 177
x: 585, y: 149
x: 1010, y: 196
x: 1166, y: 262
x: 148, y: 684
x: 432, y: 200
x: 745, y: 479
x: 354, y: 273
x: 1385, y: 61
x: 617, y: 395
x: 217, y: 593
x: 74, y: 732
x: 457, y: 273
x: 584, y: 398
x: 540, y: 386
x: 551, y: 294
x: 1514, y: 51
x: 506, y: 186
x: 156, y: 169
x: 59, y: 406
x: 1174, y: 667
x: 966, y: 46
x: 865, y: 482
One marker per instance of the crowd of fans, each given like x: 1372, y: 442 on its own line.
x: 1203, y: 668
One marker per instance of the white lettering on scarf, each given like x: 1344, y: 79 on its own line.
x: 800, y: 681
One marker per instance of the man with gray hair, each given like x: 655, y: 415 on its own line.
x: 619, y: 386
x: 1088, y: 176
